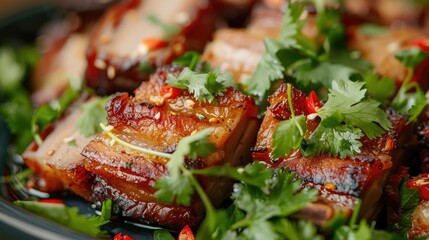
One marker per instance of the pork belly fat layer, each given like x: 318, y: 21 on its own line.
x: 341, y: 182
x: 60, y: 165
x: 147, y: 122
x: 128, y: 35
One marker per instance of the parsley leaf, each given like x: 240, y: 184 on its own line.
x: 380, y: 89
x: 48, y: 113
x: 347, y: 98
x: 288, y: 136
x: 66, y: 216
x: 177, y: 186
x: 204, y: 86
x: 340, y: 141
x: 411, y: 57
x: 93, y: 113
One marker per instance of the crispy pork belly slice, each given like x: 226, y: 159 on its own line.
x: 149, y: 121
x: 63, y: 46
x: 59, y: 165
x: 126, y: 37
x: 235, y: 50
x: 341, y: 182
x: 380, y: 51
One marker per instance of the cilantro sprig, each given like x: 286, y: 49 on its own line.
x: 204, y: 86
x: 407, y: 101
x: 289, y: 134
x: 93, y: 112
x: 70, y: 217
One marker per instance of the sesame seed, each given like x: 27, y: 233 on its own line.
x: 111, y: 72
x: 189, y: 103
x: 312, y: 116
x: 157, y: 100
x: 330, y: 186
x: 100, y: 64
x: 193, y: 132
x: 68, y: 139
x: 157, y: 116
x: 213, y: 120
x: 112, y: 142
x: 51, y: 152
x: 109, y: 128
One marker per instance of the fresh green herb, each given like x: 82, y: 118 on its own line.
x: 342, y: 140
x: 48, y: 113
x: 67, y: 216
x: 406, y: 101
x: 162, y: 235
x: 411, y: 57
x: 146, y: 67
x: 178, y: 185
x: 189, y: 59
x: 346, y: 98
x: 16, y: 108
x: 93, y: 112
x: 380, y: 89
x: 106, y: 209
x: 288, y: 134
x: 169, y: 29
x: 204, y: 86
x: 279, y: 55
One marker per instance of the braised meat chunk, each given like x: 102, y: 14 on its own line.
x: 157, y: 119
x: 341, y: 180
x: 138, y: 35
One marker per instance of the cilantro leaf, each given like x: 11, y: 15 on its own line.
x: 192, y: 59
x: 411, y: 57
x: 66, y: 216
x: 48, y: 113
x: 380, y: 89
x: 315, y: 75
x: 162, y: 235
x: 178, y: 185
x: 412, y: 103
x: 299, y: 230
x: 93, y: 113
x: 347, y: 99
x: 17, y: 111
x: 340, y: 141
x: 288, y: 136
x: 204, y: 86
x: 409, y: 197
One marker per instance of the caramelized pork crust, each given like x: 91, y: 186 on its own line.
x: 340, y: 182
x: 144, y: 32
x: 150, y: 121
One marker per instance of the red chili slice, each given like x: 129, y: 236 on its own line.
x: 168, y: 92
x: 154, y: 43
x: 186, y: 234
x: 421, y: 183
x: 124, y: 237
x: 422, y: 43
x: 51, y: 200
x: 312, y: 103
x: 427, y: 133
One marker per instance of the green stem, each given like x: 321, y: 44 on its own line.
x: 355, y: 214
x: 241, y: 224
x: 134, y: 147
x: 292, y: 111
x: 210, y: 211
x: 410, y: 74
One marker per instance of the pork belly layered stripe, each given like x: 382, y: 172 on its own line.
x: 150, y: 121
x: 340, y: 181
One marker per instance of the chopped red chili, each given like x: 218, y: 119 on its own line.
x: 168, y: 92
x: 421, y: 183
x: 312, y: 103
x: 186, y: 234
